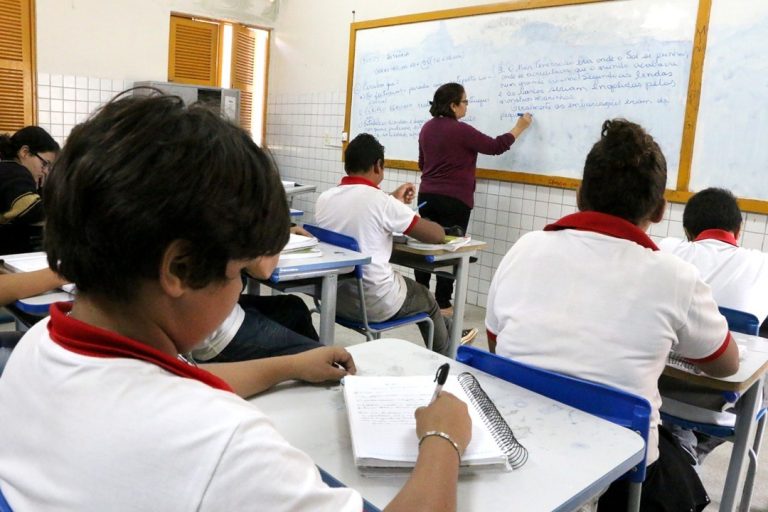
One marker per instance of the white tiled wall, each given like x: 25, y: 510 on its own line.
x: 65, y: 100
x: 303, y: 133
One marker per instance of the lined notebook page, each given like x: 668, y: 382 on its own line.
x: 383, y: 426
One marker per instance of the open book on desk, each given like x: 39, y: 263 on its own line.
x: 451, y: 243
x: 383, y: 427
x: 29, y: 262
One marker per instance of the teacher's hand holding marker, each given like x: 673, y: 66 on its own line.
x: 524, y: 120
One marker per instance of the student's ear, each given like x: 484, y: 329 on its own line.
x: 658, y: 213
x: 173, y: 268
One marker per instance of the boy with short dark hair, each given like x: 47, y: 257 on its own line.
x: 357, y: 207
x: 738, y: 276
x: 153, y: 211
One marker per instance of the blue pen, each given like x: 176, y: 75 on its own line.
x: 422, y: 205
x: 440, y: 377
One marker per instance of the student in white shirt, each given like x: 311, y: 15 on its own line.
x: 739, y: 280
x: 357, y: 207
x: 591, y: 296
x: 153, y: 211
x: 738, y: 276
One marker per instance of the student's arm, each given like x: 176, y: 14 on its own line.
x: 427, y: 231
x: 725, y: 364
x: 21, y: 285
x: 251, y: 377
x: 432, y: 485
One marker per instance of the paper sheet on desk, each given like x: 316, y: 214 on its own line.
x: 452, y: 243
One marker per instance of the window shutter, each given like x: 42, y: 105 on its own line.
x: 243, y: 54
x: 17, y: 65
x: 193, y: 53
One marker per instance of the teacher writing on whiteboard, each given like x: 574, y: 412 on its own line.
x: 448, y: 150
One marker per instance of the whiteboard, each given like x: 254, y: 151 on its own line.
x: 571, y: 66
x: 731, y: 144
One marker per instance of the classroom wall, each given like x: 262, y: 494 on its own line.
x: 308, y: 73
x: 87, y: 50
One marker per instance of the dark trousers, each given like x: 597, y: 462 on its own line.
x: 671, y: 484
x: 278, y: 325
x: 446, y: 211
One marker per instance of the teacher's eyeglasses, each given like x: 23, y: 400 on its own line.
x: 46, y: 163
x: 466, y: 102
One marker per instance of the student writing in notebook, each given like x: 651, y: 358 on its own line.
x: 591, y: 296
x: 98, y: 400
x: 357, y: 207
x: 739, y: 280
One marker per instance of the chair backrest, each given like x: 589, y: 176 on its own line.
x: 740, y: 321
x: 4, y: 506
x: 617, y: 406
x: 337, y: 239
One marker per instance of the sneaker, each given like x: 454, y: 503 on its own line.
x: 468, y: 336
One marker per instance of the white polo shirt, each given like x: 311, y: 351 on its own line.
x: 358, y: 208
x: 591, y: 297
x: 86, y: 429
x: 738, y: 276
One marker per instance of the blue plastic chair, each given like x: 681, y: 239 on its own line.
x: 4, y: 506
x: 617, y: 406
x: 332, y: 481
x: 371, y: 330
x: 746, y: 323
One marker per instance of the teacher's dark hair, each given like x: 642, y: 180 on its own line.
x: 712, y: 208
x: 445, y: 96
x: 625, y: 174
x: 146, y: 171
x: 362, y: 153
x: 34, y: 137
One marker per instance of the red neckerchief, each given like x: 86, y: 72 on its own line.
x: 85, y: 339
x: 604, y: 224
x: 720, y: 235
x: 357, y: 180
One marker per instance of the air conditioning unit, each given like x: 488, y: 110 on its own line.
x: 227, y: 101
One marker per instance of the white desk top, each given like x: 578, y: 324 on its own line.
x: 572, y: 455
x: 333, y: 259
x: 753, y: 365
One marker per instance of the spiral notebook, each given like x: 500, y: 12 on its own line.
x: 383, y: 427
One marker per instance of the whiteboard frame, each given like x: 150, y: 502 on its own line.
x: 681, y: 192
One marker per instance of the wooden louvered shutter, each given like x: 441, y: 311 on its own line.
x: 17, y: 65
x: 193, y: 53
x: 243, y: 53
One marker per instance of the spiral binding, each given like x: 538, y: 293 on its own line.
x: 680, y: 363
x: 515, y: 452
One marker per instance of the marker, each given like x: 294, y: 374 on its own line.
x: 521, y: 114
x: 422, y: 205
x: 440, y: 377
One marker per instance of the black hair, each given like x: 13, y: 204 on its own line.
x: 711, y: 208
x: 625, y: 173
x: 34, y: 137
x: 445, y: 96
x: 145, y: 171
x: 362, y: 153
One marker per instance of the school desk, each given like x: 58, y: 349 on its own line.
x: 443, y: 262
x: 572, y: 455
x: 317, y: 277
x: 748, y: 382
x: 292, y: 188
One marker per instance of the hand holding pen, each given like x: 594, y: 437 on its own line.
x: 440, y: 377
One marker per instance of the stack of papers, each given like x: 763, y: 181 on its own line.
x: 300, y: 246
x: 451, y: 244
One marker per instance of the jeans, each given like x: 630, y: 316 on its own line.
x: 447, y: 212
x: 420, y: 300
x: 273, y: 326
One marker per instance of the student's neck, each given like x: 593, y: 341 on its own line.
x: 129, y: 320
